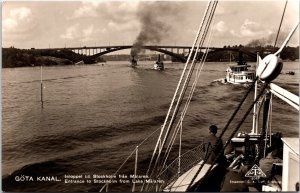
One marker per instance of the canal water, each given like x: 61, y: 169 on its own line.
x: 95, y: 115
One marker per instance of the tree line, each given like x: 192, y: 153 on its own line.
x: 13, y: 57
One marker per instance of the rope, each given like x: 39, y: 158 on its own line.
x: 195, y: 82
x: 287, y: 39
x: 105, y: 185
x: 271, y: 110
x: 191, y: 93
x: 199, y: 69
x: 280, y: 23
x: 141, y: 143
x: 267, y: 128
x: 189, y: 159
x: 179, y: 101
x: 176, y: 91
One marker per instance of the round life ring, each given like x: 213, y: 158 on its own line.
x: 269, y: 68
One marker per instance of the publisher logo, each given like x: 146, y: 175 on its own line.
x: 255, y: 173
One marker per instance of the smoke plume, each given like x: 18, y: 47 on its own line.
x: 270, y: 40
x: 156, y: 19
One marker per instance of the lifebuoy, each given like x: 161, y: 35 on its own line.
x: 269, y: 68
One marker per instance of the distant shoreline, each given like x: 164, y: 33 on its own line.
x: 14, y: 57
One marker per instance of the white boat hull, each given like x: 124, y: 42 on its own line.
x: 239, y: 75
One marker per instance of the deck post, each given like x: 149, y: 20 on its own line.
x: 254, y: 124
x: 179, y: 153
x: 42, y: 100
x: 135, y: 166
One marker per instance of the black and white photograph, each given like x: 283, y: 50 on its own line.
x: 150, y: 96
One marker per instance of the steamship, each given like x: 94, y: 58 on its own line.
x: 158, y: 65
x: 133, y: 62
x: 239, y: 73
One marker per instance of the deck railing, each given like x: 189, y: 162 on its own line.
x: 177, y: 167
x: 181, y: 165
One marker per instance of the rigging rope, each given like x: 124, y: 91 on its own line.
x: 270, y: 119
x: 268, y: 126
x: 175, y: 94
x: 183, y: 89
x: 280, y: 23
x: 287, y: 39
x: 130, y: 155
x: 199, y: 69
x: 192, y: 67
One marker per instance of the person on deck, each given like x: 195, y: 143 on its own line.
x: 266, y: 164
x: 211, y: 142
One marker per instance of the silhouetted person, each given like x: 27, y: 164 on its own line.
x: 266, y: 164
x: 211, y: 142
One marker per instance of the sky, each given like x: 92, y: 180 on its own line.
x: 38, y: 24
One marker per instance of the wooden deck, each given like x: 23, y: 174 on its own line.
x: 181, y: 184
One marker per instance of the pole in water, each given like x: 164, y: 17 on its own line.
x: 42, y: 101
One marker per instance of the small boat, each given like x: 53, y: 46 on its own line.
x: 159, y: 65
x: 133, y: 62
x: 239, y: 74
x: 79, y: 63
x: 290, y: 73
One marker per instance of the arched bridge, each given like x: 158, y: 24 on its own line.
x: 178, y: 52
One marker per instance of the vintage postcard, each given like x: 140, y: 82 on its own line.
x: 150, y: 96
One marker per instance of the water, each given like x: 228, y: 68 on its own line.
x: 95, y: 115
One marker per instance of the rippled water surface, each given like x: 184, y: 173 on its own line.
x: 95, y: 115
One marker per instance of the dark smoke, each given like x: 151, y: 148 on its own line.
x: 270, y: 40
x: 156, y: 23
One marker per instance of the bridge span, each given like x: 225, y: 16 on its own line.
x: 178, y: 52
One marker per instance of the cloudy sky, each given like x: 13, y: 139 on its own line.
x: 89, y: 23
